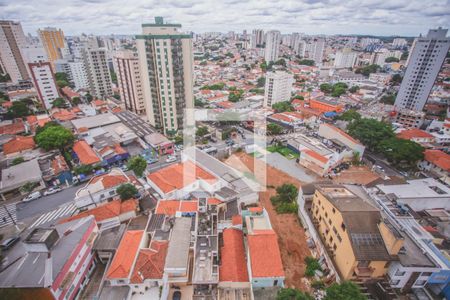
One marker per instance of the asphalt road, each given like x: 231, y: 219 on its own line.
x: 45, y: 204
x: 387, y: 169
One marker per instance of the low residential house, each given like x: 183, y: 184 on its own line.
x: 100, y: 105
x: 337, y: 135
x: 64, y: 115
x: 17, y: 126
x: 361, y: 244
x: 84, y: 154
x: 325, y: 105
x: 55, y: 263
x: 55, y: 170
x: 102, y: 188
x: 289, y: 120
x: 39, y: 120
x: 69, y: 93
x: 438, y: 163
x: 108, y: 241
x: 416, y: 135
x: 16, y: 176
x: 109, y: 214
x: 18, y: 146
x: 159, y: 143
x: 174, y: 207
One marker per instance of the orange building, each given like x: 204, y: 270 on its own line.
x: 53, y: 40
x: 325, y: 106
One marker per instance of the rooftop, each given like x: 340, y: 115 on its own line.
x: 265, y: 258
x: 150, y: 262
x: 178, y: 253
x: 15, y: 176
x: 233, y: 266
x: 85, y: 153
x: 18, y: 144
x: 438, y: 158
x: 418, y: 188
x: 95, y: 121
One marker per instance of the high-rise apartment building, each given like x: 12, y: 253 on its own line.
x: 425, y: 62
x: 44, y: 82
x: 272, y: 49
x: 53, y: 41
x: 166, y: 62
x: 12, y: 40
x: 257, y: 38
x: 278, y: 87
x: 345, y: 58
x: 316, y: 51
x: 98, y: 75
x: 399, y: 43
x: 126, y: 66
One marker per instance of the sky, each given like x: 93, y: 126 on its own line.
x: 374, y: 17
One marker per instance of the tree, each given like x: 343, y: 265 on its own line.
x: 370, y: 132
x: 292, y: 294
x: 350, y: 115
x: 76, y: 100
x: 59, y: 102
x: 198, y: 103
x: 17, y: 160
x: 397, y: 79
x: 391, y: 59
x: 5, y: 78
x: 28, y: 187
x: 263, y: 66
x: 261, y: 81
x: 326, y: 87
x: 54, y: 137
x: 83, y: 169
x: 126, y: 191
x: 298, y: 97
x: 312, y: 265
x: 178, y: 139
x: 353, y: 89
x: 275, y: 129
x: 388, y: 99
x: 280, y: 62
x: 113, y: 76
x: 235, y: 96
x: 138, y: 164
x: 62, y: 83
x: 404, y: 55
x: 282, y: 106
x: 18, y: 109
x: 89, y: 97
x: 287, y: 192
x: 347, y: 290
x: 306, y: 62
x: 202, y: 131
x: 367, y: 70
x: 400, y: 152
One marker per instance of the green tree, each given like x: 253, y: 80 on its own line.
x: 326, y: 87
x: 350, y: 115
x: 287, y: 192
x: 235, y: 96
x: 263, y: 66
x: 178, y: 139
x: 404, y: 55
x: 370, y: 132
x: 347, y: 290
x: 18, y: 110
x: 54, y: 137
x: 282, y: 106
x: 391, y: 59
x: 280, y: 62
x: 62, y: 83
x: 312, y: 265
x: 306, y: 62
x: 89, y: 97
x: 298, y: 97
x: 402, y: 153
x: 17, y: 160
x: 83, y: 169
x: 292, y: 294
x: 367, y: 70
x: 59, y: 102
x: 388, y: 99
x: 198, y: 103
x: 76, y: 100
x: 126, y: 191
x: 353, y: 89
x: 28, y: 187
x: 397, y: 79
x: 202, y: 131
x: 113, y: 76
x: 5, y: 78
x: 261, y: 81
x: 138, y: 164
x: 273, y: 128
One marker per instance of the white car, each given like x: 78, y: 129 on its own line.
x: 52, y: 190
x: 171, y: 158
x: 32, y: 196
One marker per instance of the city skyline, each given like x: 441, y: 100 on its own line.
x: 403, y: 18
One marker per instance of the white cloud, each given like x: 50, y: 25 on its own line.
x: 395, y: 17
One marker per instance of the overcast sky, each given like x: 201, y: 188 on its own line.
x: 377, y: 17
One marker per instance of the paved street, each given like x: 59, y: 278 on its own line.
x: 387, y: 169
x: 63, y: 211
x: 46, y: 203
x: 8, y: 214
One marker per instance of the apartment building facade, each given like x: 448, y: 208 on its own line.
x: 45, y: 83
x: 272, y: 49
x: 12, y: 40
x: 166, y: 61
x: 53, y: 41
x: 99, y: 77
x: 278, y: 87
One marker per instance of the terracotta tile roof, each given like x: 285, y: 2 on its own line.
x: 116, y: 109
x: 110, y: 180
x: 257, y: 209
x: 58, y: 164
x: 125, y: 255
x: 85, y: 153
x: 170, y: 207
x: 233, y: 266
x: 438, y: 158
x: 64, y: 115
x: 106, y: 211
x: 18, y: 144
x: 265, y: 258
x: 172, y: 177
x: 413, y: 133
x: 214, y: 201
x: 225, y: 104
x: 236, y: 220
x: 315, y: 155
x: 14, y: 128
x: 31, y: 119
x: 98, y: 102
x: 150, y: 262
x: 69, y: 92
x: 7, y: 104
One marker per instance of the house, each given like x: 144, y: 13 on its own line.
x: 55, y: 170
x: 159, y: 143
x: 17, y: 126
x: 55, y: 263
x: 69, y: 93
x: 102, y: 188
x: 333, y: 133
x: 18, y: 145
x: 438, y: 163
x: 416, y: 135
x: 95, y: 121
x: 84, y: 153
x: 39, y: 120
x: 16, y: 176
x: 172, y: 207
x: 110, y: 214
x: 99, y: 105
x: 323, y: 105
x: 64, y: 115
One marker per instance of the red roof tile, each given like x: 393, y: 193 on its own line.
x: 438, y: 158
x: 69, y: 92
x: 150, y: 262
x: 265, y: 258
x: 125, y: 255
x: 233, y: 267
x: 109, y: 181
x: 18, y: 144
x: 14, y: 128
x: 236, y: 220
x: 170, y: 207
x: 173, y: 177
x: 85, y: 153
x: 64, y: 115
x: 413, y: 133
x: 58, y: 164
x: 315, y: 155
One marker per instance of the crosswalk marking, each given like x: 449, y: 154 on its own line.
x: 5, y: 218
x: 63, y: 211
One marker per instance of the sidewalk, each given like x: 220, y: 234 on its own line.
x: 11, y: 230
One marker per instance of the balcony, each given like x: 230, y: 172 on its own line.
x: 364, y: 272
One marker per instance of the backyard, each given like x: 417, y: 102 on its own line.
x: 291, y: 236
x: 283, y: 150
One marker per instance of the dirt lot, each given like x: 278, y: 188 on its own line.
x: 291, y: 236
x: 356, y: 175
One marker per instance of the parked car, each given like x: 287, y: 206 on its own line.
x: 152, y: 160
x: 171, y: 158
x: 176, y: 295
x: 32, y: 196
x: 8, y: 243
x: 52, y: 190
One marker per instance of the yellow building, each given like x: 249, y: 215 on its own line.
x: 354, y: 233
x: 53, y: 40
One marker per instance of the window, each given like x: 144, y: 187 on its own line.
x: 420, y: 282
x: 343, y: 226
x: 399, y: 273
x: 395, y: 282
x: 426, y: 274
